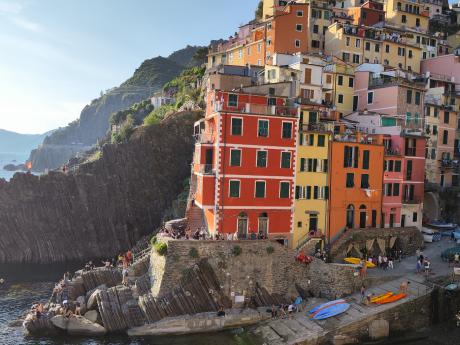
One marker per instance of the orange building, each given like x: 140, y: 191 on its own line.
x: 356, y: 177
x: 243, y: 172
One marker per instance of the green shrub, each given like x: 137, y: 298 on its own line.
x: 270, y: 250
x: 153, y: 241
x: 161, y: 248
x: 193, y: 253
x: 237, y: 250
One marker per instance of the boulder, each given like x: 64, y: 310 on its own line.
x: 92, y: 300
x: 78, y: 325
x: 100, y: 287
x: 60, y: 322
x: 93, y: 316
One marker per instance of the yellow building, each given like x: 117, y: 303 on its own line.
x: 319, y: 14
x: 312, y: 189
x: 338, y: 86
x: 407, y: 14
x: 356, y: 45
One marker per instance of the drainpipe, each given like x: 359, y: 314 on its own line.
x: 328, y: 213
x: 223, y: 174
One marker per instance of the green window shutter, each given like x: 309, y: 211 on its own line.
x: 321, y: 140
x: 260, y: 189
x: 234, y: 189
x: 235, y: 158
x: 388, y: 122
x: 302, y: 164
x: 284, y: 190
x: 315, y: 192
x: 287, y: 130
x: 366, y: 158
x: 237, y: 126
x: 326, y: 192
x: 261, y: 159
x: 263, y: 128
x: 308, y: 192
x: 297, y: 192
x: 285, y: 160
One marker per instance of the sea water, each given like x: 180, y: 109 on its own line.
x: 10, y: 158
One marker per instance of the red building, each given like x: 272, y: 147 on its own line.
x: 243, y: 172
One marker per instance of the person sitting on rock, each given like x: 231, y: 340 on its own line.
x: 221, y: 311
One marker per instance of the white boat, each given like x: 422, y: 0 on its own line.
x: 428, y: 238
x: 427, y: 231
x: 442, y: 226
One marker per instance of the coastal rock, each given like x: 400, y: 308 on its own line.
x: 41, y: 326
x: 103, y: 207
x: 102, y: 276
x: 93, y: 316
x: 92, y: 300
x: 13, y: 167
x: 79, y: 325
x: 60, y: 322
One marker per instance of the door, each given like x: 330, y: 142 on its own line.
x: 374, y: 219
x: 208, y: 162
x: 392, y: 220
x: 263, y: 227
x: 242, y: 228
x: 350, y: 217
x: 362, y: 220
x: 313, y: 227
x: 403, y: 221
x: 355, y: 103
x: 307, y: 76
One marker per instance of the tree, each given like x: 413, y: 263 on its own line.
x: 260, y: 10
x: 201, y: 55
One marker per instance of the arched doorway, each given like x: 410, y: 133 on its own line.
x: 263, y: 225
x: 350, y: 217
x: 362, y: 217
x: 242, y: 226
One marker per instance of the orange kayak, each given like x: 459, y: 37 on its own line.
x: 379, y: 298
x: 392, y: 299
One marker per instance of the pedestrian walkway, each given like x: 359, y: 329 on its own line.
x: 303, y: 329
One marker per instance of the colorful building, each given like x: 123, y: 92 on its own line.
x: 407, y: 14
x: 338, y: 86
x: 245, y: 158
x: 367, y: 14
x: 355, y: 181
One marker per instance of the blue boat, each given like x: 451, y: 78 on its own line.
x: 331, y: 311
x: 324, y: 305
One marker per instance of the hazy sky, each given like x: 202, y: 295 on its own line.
x: 57, y: 55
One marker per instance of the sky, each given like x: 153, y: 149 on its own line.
x: 58, y: 55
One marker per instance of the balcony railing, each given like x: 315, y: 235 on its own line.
x: 449, y: 163
x: 393, y: 151
x: 207, y: 169
x: 315, y: 127
x: 204, y: 138
x: 411, y: 151
x: 250, y: 108
x: 411, y: 201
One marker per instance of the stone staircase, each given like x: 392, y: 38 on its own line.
x: 302, y: 329
x: 309, y: 245
x: 195, y: 218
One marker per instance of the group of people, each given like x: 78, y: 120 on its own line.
x: 382, y: 261
x: 286, y: 310
x: 423, y: 264
x: 321, y: 254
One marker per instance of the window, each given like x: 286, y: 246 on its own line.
x: 388, y: 189
x: 364, y: 181
x: 350, y: 157
x: 299, y: 13
x: 315, y: 29
x: 321, y: 140
x: 401, y: 51
x: 297, y: 43
x: 237, y: 126
x: 316, y: 192
x: 396, y: 189
x: 340, y: 99
x: 346, y: 57
x: 326, y: 15
x: 263, y: 128
x: 436, y: 112
x: 435, y: 130
x: 398, y: 166
x: 446, y: 117
x: 284, y: 190
x: 259, y: 47
x: 350, y: 183
x: 368, y: 46
x: 235, y: 158
x: 287, y: 130
x: 234, y: 189
x: 315, y: 43
x: 232, y: 100
x: 355, y: 58
x: 410, y: 54
x: 415, y: 217
x: 417, y: 22
x: 271, y: 100
x: 261, y: 159
x: 285, y: 160
x: 298, y: 27
x: 387, y: 48
x: 351, y: 82
x: 340, y: 80
x: 260, y: 189
x: 409, y: 171
x: 358, y: 43
x: 445, y: 137
x: 377, y: 48
x: 366, y: 158
x: 409, y: 97
x: 249, y: 51
x: 328, y: 78
x: 347, y: 41
x: 312, y: 165
x: 403, y: 19
x: 370, y: 97
x: 417, y: 98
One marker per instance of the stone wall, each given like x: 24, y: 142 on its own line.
x: 263, y: 264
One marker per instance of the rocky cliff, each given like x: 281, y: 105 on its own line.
x: 93, y: 123
x: 104, y: 206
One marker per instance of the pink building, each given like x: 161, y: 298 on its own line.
x: 448, y: 65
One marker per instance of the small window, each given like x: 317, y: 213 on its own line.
x: 417, y: 98
x: 355, y: 58
x: 396, y: 188
x: 370, y: 97
x: 415, y: 217
x: 235, y: 158
x: 409, y: 97
x: 445, y: 137
x: 299, y: 13
x: 285, y: 190
x: 263, y: 128
x: 261, y: 159
x: 377, y: 47
x: 321, y: 140
x: 446, y: 117
x: 340, y: 80
x: 387, y: 48
x: 398, y: 166
x: 315, y: 192
x: 232, y: 100
x: 340, y: 99
x: 358, y: 43
x: 260, y: 189
x: 350, y: 183
x: 297, y: 43
x: 403, y: 19
x: 298, y: 27
x: 285, y: 160
x: 237, y: 126
x: 368, y: 46
x: 366, y: 159
x: 287, y: 130
x: 351, y: 82
x: 410, y: 54
x: 364, y: 181
x: 234, y: 189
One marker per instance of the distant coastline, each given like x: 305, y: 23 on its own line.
x: 10, y: 158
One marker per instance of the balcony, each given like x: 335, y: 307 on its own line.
x: 449, y: 164
x: 250, y: 108
x: 315, y: 127
x: 206, y: 169
x: 411, y: 201
x: 392, y: 151
x: 411, y: 151
x: 204, y: 138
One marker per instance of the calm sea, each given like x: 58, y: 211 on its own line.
x: 10, y: 158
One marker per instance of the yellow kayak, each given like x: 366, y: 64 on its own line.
x: 379, y: 298
x: 357, y: 261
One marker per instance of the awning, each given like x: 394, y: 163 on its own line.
x: 369, y: 244
x: 381, y: 243
x: 392, y: 242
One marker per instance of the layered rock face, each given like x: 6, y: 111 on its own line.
x: 103, y: 207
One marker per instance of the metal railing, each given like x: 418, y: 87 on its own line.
x: 207, y: 169
x: 251, y: 108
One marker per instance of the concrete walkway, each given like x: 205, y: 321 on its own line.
x: 302, y: 328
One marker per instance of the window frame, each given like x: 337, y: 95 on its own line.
x: 230, y: 188
x: 257, y: 158
x: 282, y: 129
x: 228, y: 100
x: 231, y: 157
x: 255, y: 189
x: 368, y: 94
x: 258, y: 128
x: 288, y: 190
x: 282, y: 160
x: 231, y: 125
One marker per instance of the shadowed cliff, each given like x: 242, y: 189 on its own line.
x: 102, y: 208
